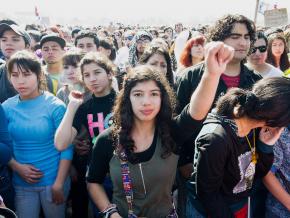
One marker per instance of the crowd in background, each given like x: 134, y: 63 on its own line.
x: 132, y: 121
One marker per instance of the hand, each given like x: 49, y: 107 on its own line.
x: 269, y: 135
x: 75, y: 98
x: 29, y: 173
x: 57, y: 194
x: 217, y: 56
x: 82, y: 147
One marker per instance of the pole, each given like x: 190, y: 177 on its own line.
x: 256, y: 11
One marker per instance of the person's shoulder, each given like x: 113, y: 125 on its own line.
x: 52, y: 100
x: 275, y: 71
x: 11, y: 102
x: 198, y: 68
x: 104, y: 139
x: 251, y: 73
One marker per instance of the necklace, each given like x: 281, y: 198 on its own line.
x: 250, y: 170
x: 253, y: 149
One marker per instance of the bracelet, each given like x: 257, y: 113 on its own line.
x: 109, y: 210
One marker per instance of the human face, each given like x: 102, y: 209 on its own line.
x: 278, y: 47
x: 105, y: 51
x: 97, y: 79
x: 128, y: 40
x: 258, y: 57
x: 158, y: 61
x: 141, y: 44
x: 52, y: 52
x: 169, y: 32
x: 197, y: 51
x: 154, y: 34
x: 240, y: 41
x: 24, y: 82
x: 145, y: 99
x: 86, y: 45
x: 178, y: 27
x: 67, y: 37
x: 11, y: 43
x: 71, y: 74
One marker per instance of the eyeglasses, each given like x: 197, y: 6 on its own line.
x: 262, y: 49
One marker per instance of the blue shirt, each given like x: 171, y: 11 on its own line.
x: 32, y: 124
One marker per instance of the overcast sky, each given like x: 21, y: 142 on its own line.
x: 165, y: 11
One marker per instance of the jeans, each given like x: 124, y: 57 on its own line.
x: 28, y: 201
x: 191, y: 212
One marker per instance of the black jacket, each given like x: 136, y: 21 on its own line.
x: 6, y: 88
x: 186, y: 85
x: 220, y: 162
x: 189, y: 81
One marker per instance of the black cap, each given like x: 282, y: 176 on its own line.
x: 54, y: 38
x: 17, y: 30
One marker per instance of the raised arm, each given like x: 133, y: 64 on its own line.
x: 217, y: 56
x: 65, y: 132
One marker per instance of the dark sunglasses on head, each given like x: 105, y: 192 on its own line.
x: 262, y: 49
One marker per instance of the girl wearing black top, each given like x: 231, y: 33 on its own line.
x: 234, y: 148
x: 139, y: 150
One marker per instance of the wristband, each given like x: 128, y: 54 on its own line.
x: 109, y: 210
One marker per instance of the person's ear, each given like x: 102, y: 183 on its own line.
x: 238, y: 111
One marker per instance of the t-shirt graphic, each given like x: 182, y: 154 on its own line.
x: 246, y: 180
x: 101, y: 124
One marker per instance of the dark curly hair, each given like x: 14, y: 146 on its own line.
x: 124, y: 116
x: 223, y: 27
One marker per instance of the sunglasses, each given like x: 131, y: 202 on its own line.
x: 262, y: 49
x: 129, y: 38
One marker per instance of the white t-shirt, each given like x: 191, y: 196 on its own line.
x: 272, y: 72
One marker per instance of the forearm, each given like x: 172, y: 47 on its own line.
x: 13, y: 164
x: 98, y: 195
x: 63, y: 170
x: 276, y: 189
x: 64, y: 134
x: 202, y: 99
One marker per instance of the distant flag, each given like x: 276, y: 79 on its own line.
x: 263, y: 6
x: 36, y: 11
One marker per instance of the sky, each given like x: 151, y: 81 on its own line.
x: 92, y: 12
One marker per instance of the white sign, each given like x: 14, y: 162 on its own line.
x: 276, y: 17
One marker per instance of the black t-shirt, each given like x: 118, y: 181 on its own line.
x: 182, y: 127
x: 6, y: 88
x: 95, y: 115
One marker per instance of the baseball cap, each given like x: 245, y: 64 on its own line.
x: 52, y: 37
x: 17, y: 30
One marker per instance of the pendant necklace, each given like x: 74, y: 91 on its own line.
x: 250, y: 171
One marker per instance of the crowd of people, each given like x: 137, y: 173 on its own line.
x: 130, y: 121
